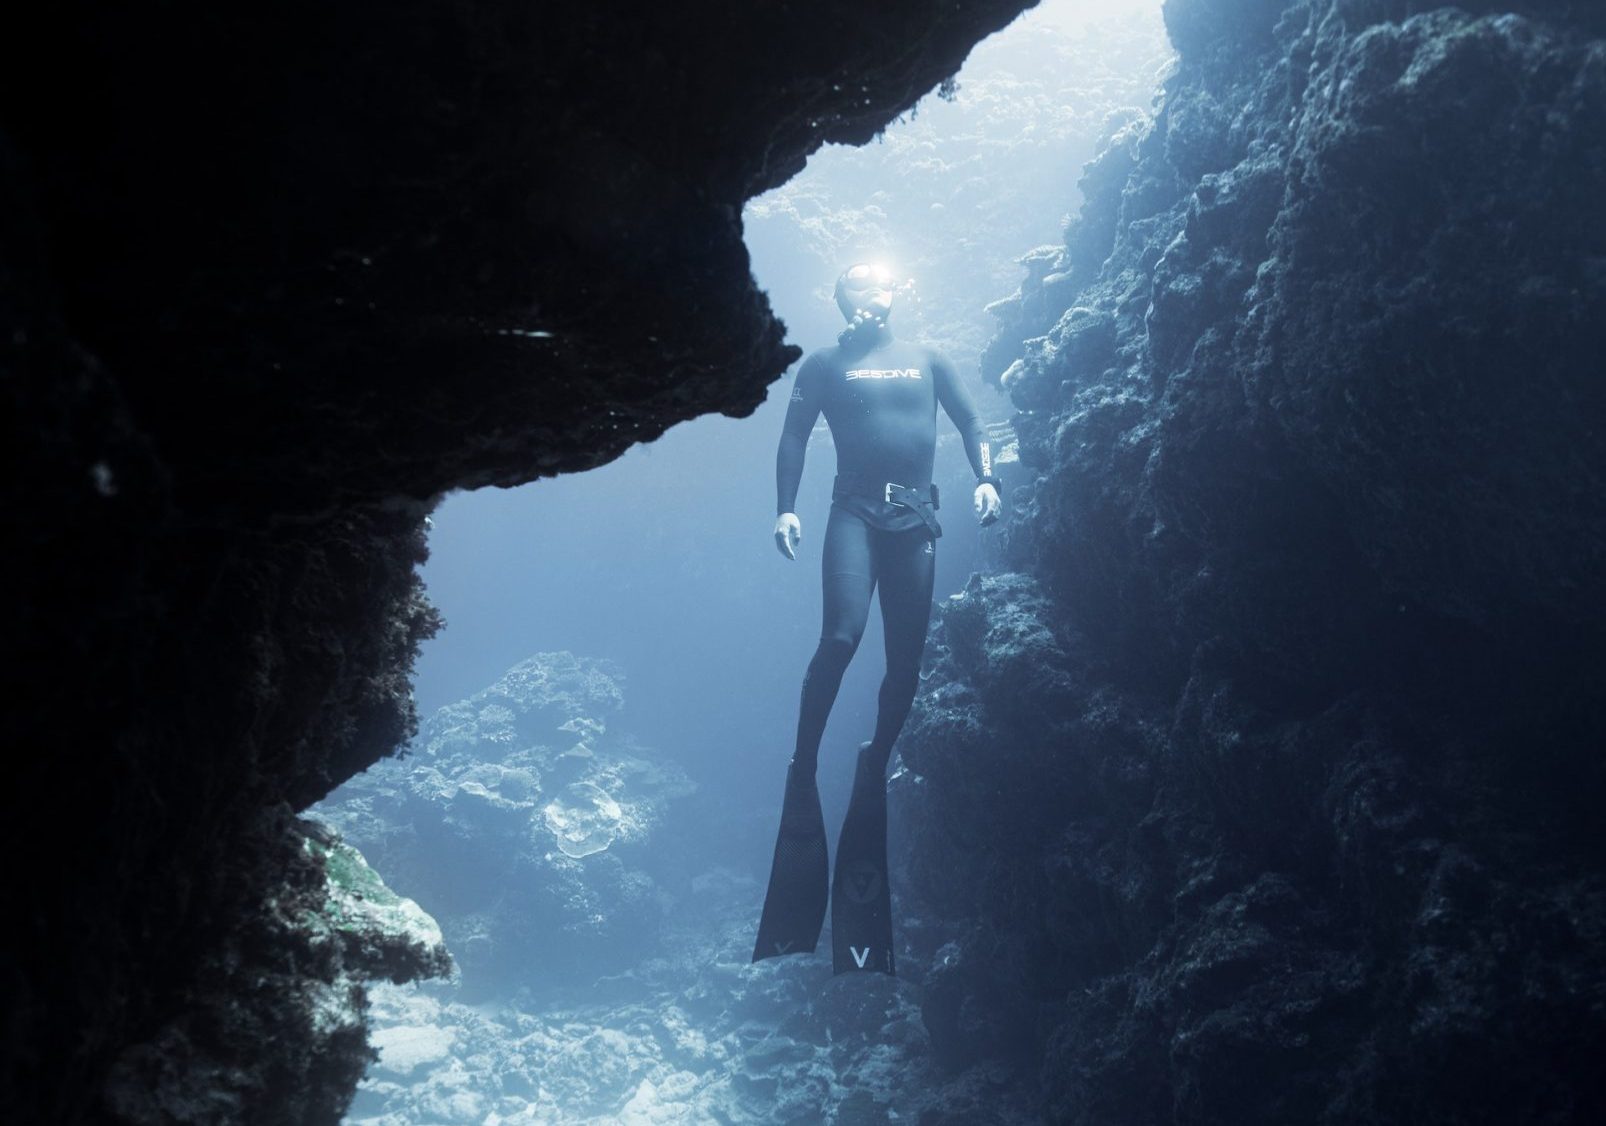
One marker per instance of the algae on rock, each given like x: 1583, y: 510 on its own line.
x: 383, y: 934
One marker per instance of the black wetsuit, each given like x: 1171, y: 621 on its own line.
x: 880, y: 401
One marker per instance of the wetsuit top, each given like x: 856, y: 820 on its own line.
x: 881, y: 405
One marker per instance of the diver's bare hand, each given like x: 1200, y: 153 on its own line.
x: 788, y: 534
x: 988, y: 504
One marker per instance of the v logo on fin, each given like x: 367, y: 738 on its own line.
x: 858, y: 958
x: 783, y: 947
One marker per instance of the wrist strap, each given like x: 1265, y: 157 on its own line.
x: 993, y: 481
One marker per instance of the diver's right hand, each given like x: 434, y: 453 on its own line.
x: 788, y: 534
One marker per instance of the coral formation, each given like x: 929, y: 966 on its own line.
x: 512, y: 815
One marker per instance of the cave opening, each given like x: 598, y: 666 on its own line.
x: 1254, y: 774
x: 646, y: 596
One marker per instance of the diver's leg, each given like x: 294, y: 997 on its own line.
x: 861, y: 898
x: 794, y: 906
x: 848, y: 578
x: 906, y: 567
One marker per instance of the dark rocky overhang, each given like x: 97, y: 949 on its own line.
x: 271, y: 279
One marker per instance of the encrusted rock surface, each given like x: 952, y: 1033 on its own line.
x: 270, y: 281
x: 1270, y: 781
x: 286, y: 990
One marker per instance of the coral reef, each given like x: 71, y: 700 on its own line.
x: 685, y: 1029
x: 270, y: 281
x: 1269, y: 779
x: 512, y: 814
x: 610, y: 980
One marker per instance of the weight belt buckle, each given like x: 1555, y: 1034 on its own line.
x: 887, y: 493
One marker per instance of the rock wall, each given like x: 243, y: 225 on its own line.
x: 270, y: 281
x: 1269, y: 777
x: 333, y: 929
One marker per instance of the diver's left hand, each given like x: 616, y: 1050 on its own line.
x: 988, y: 506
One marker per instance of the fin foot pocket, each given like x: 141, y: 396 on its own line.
x: 861, y: 899
x: 794, y: 905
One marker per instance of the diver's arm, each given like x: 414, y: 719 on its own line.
x: 957, y: 404
x: 801, y: 414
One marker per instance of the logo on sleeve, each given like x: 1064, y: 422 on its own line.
x: 797, y: 394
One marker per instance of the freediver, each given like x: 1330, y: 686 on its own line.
x: 879, y: 397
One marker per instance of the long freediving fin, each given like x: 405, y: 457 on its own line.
x: 794, y: 906
x: 861, y: 898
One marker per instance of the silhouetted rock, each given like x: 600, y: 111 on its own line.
x: 271, y: 280
x: 284, y: 1000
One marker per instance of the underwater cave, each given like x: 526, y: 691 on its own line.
x: 408, y: 676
